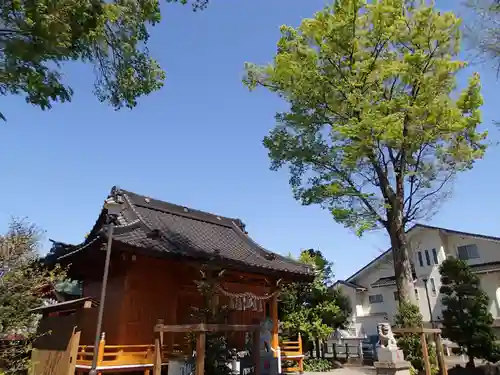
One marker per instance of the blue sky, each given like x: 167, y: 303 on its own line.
x: 198, y: 142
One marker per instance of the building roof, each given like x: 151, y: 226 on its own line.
x: 168, y: 228
x: 388, y: 281
x: 67, y: 305
x: 422, y: 226
x: 350, y: 285
x: 485, y: 267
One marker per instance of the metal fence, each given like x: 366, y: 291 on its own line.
x: 357, y: 350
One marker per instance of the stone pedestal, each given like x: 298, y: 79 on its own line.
x: 387, y: 368
x: 391, y: 355
x: 391, y: 362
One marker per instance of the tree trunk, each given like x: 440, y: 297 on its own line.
x: 401, y: 258
x: 318, y: 349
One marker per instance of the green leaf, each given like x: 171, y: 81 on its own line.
x: 374, y: 132
x: 38, y: 37
x: 467, y: 320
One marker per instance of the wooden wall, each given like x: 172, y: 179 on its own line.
x: 113, y: 307
x: 149, y: 289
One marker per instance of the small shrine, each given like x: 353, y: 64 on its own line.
x: 159, y: 252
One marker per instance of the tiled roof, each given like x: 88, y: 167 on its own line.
x: 172, y: 229
x: 350, y: 284
x: 485, y: 267
x: 387, y: 281
x: 384, y: 281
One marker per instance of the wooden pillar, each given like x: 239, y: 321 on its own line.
x: 158, y: 360
x: 425, y: 354
x: 440, y: 355
x: 200, y: 353
x: 273, y: 306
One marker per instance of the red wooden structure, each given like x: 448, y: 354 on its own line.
x: 159, y: 252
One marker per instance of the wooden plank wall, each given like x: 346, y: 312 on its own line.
x: 152, y: 289
x: 54, y: 351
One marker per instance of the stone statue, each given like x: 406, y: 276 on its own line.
x: 265, y: 335
x: 386, y: 336
x: 390, y: 359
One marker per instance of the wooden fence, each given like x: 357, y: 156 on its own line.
x: 435, y: 334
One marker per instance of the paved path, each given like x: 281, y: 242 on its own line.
x: 365, y: 370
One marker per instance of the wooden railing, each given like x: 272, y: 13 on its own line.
x: 292, y: 351
x: 142, y: 357
x: 133, y: 357
x: 116, y: 355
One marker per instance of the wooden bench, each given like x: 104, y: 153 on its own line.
x: 291, y: 351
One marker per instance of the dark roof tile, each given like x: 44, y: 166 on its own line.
x: 168, y: 228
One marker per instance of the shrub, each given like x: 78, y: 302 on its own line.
x: 317, y: 365
x: 467, y: 320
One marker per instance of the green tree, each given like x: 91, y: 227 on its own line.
x: 467, y: 320
x: 373, y: 132
x: 23, y: 283
x: 316, y: 309
x: 37, y: 37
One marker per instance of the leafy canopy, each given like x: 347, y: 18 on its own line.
x: 38, y: 36
x: 374, y: 131
x: 23, y: 282
x: 316, y: 309
x: 467, y: 320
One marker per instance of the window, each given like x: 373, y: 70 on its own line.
x: 433, y: 287
x: 435, y: 256
x: 467, y: 252
x: 417, y: 297
x: 376, y: 298
x: 420, y: 260
x: 427, y: 258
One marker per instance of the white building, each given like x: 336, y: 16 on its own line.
x: 372, y: 289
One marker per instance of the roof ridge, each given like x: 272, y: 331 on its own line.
x: 179, y: 210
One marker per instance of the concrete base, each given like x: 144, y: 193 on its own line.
x: 390, y: 355
x: 392, y: 368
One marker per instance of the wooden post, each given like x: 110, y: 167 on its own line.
x: 301, y: 359
x: 274, y: 317
x: 158, y: 350
x: 334, y: 348
x: 440, y: 355
x: 100, y: 350
x: 425, y: 354
x: 200, y: 353
x: 256, y: 351
x: 346, y: 351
